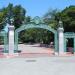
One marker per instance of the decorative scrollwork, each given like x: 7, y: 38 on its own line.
x: 36, y: 20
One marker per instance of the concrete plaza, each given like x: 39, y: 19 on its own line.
x: 38, y: 66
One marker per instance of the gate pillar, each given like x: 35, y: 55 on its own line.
x: 11, y: 39
x: 61, y: 38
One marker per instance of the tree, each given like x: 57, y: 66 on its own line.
x: 49, y: 18
x: 17, y: 12
x: 68, y: 17
x: 19, y: 15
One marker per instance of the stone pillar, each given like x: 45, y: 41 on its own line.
x: 61, y: 39
x: 11, y: 39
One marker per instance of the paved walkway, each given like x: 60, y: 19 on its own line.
x: 38, y: 66
x: 34, y: 49
x: 50, y: 65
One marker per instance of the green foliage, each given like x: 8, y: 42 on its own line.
x: 35, y: 36
x: 51, y: 18
x: 68, y: 18
x: 28, y: 18
x: 1, y: 19
x: 18, y: 13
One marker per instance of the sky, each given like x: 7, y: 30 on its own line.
x: 38, y: 7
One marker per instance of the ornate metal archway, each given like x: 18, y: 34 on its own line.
x: 36, y: 23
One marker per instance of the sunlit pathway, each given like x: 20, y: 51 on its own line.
x: 38, y: 66
x: 34, y: 49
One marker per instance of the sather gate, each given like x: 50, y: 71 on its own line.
x: 11, y: 36
x: 36, y: 23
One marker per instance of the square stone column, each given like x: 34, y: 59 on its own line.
x: 61, y: 40
x: 11, y: 39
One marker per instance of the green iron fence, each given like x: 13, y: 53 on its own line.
x: 5, y: 45
x: 66, y: 36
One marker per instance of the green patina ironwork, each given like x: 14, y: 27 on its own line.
x: 68, y: 35
x: 4, y: 35
x: 36, y: 23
